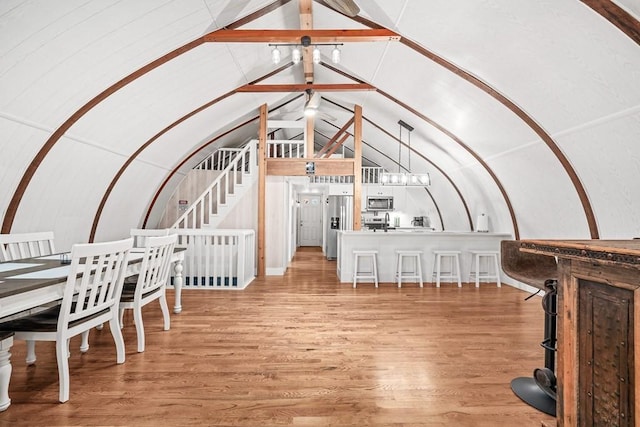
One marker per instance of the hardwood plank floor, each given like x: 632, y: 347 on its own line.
x: 301, y: 350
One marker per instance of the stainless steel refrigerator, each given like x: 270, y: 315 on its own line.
x: 339, y: 217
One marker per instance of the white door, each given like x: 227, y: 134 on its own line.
x: 310, y: 230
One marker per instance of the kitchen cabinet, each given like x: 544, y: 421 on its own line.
x: 379, y: 190
x: 341, y: 189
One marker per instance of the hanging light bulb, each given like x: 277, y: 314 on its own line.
x: 335, y: 55
x: 316, y: 55
x: 275, y: 55
x: 296, y: 55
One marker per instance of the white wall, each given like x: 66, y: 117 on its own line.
x: 276, y: 238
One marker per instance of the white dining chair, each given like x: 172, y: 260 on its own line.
x: 91, y: 295
x: 140, y: 235
x: 26, y: 245
x: 151, y: 284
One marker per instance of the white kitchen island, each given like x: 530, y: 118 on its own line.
x: 386, y: 243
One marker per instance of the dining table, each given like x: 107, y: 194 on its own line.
x: 28, y: 283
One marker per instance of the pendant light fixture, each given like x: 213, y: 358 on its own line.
x: 296, y: 52
x: 405, y: 178
x: 275, y: 55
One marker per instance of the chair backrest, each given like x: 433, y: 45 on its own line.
x: 95, y: 281
x: 140, y: 235
x: 154, y: 271
x: 26, y: 245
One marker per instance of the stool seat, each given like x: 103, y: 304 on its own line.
x: 490, y: 259
x: 416, y: 273
x: 453, y: 260
x: 365, y: 275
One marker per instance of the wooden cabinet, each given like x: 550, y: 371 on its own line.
x: 598, y: 343
x: 605, y: 337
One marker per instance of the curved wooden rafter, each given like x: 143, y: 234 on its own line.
x: 123, y: 168
x: 57, y: 135
x: 433, y: 200
x: 619, y: 17
x: 29, y: 173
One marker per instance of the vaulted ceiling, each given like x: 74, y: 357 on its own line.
x: 527, y: 111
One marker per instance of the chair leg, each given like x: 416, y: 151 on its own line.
x: 31, y: 352
x: 114, y: 326
x: 121, y: 315
x: 137, y: 316
x: 84, y: 345
x: 165, y: 312
x: 5, y: 375
x: 63, y: 368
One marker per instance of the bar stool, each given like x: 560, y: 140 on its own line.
x: 492, y: 271
x: 372, y: 274
x: 416, y: 273
x: 453, y: 263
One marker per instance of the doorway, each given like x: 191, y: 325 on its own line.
x: 310, y: 222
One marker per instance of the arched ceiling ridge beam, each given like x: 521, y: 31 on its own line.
x: 31, y: 170
x: 422, y: 156
x: 546, y: 138
x: 198, y: 150
x: 485, y: 165
x: 14, y: 204
x: 132, y: 157
x: 433, y: 200
x: 619, y: 17
x: 529, y: 121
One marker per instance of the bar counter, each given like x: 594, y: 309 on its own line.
x: 386, y: 243
x: 598, y: 354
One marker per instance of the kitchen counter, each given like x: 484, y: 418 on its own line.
x: 411, y: 238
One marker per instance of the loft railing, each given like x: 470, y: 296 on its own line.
x: 235, y: 173
x: 370, y: 175
x: 285, y: 149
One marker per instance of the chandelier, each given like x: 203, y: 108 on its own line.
x: 405, y: 178
x: 296, y: 53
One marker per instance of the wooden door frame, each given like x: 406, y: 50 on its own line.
x: 298, y: 167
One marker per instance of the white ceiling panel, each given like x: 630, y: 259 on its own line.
x: 569, y: 69
x: 562, y: 62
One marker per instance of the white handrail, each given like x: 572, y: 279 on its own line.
x: 216, y: 194
x: 219, y: 159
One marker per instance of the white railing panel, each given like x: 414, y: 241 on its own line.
x: 285, y: 149
x: 371, y: 175
x: 217, y: 259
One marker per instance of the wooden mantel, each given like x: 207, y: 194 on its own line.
x: 598, y: 331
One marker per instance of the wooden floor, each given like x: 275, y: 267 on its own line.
x: 301, y: 350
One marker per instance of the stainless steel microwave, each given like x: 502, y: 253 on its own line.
x: 378, y: 203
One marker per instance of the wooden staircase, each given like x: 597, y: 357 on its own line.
x: 238, y: 171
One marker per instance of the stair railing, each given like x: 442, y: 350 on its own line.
x: 208, y: 203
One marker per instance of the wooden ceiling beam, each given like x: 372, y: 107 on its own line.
x: 293, y: 36
x: 335, y: 137
x: 306, y: 24
x: 336, y: 146
x: 328, y: 87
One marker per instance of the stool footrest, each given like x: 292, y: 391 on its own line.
x: 492, y: 271
x: 415, y: 274
x: 365, y: 275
